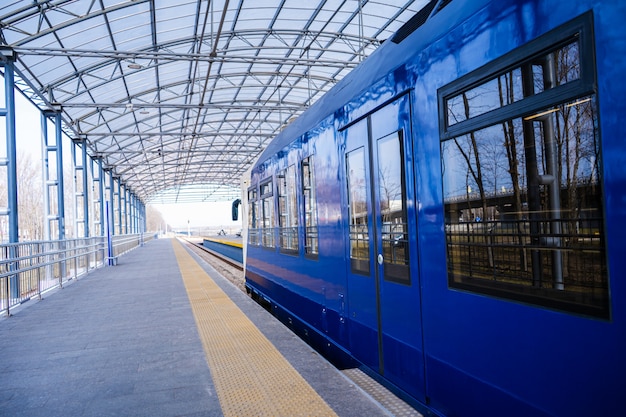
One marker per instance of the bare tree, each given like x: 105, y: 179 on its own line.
x: 154, y: 219
x: 29, y: 198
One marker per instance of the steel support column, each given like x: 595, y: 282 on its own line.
x: 81, y: 194
x: 126, y: 210
x: 97, y: 176
x: 10, y: 212
x: 118, y: 205
x: 9, y: 225
x: 53, y: 178
x: 135, y: 229
x: 110, y: 190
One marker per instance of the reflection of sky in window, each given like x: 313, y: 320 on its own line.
x: 578, y: 152
x: 507, y: 88
x: 389, y: 172
x: 356, y: 179
x: 458, y: 179
x: 491, y: 95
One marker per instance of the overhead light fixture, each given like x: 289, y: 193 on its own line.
x: 134, y: 65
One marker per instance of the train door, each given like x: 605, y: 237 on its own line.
x: 383, y: 280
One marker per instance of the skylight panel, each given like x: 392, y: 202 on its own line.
x: 86, y: 34
x: 131, y: 27
x: 111, y: 92
x: 175, y: 20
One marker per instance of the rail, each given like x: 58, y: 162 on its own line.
x: 29, y: 269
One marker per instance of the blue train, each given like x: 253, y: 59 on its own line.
x: 451, y: 216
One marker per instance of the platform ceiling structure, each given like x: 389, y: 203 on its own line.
x: 179, y: 97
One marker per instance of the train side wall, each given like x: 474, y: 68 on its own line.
x: 483, y: 355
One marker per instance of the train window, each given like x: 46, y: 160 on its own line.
x: 287, y: 211
x: 267, y: 215
x: 391, y: 192
x: 357, y: 202
x: 506, y: 88
x: 522, y: 188
x: 253, y: 225
x: 311, y: 239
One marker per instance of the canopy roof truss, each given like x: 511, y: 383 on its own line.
x: 178, y: 98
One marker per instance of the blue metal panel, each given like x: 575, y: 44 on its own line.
x: 526, y: 360
x: 233, y: 252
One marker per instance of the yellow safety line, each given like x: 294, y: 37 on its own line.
x: 251, y: 377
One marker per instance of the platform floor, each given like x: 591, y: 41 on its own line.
x: 163, y: 334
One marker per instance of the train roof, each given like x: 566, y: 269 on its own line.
x: 386, y: 58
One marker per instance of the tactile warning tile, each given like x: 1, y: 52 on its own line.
x: 251, y: 377
x: 382, y: 395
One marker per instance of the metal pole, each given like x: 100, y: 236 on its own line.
x: 126, y: 210
x: 111, y: 188
x: 101, y: 194
x: 551, y: 179
x: 8, y: 59
x: 85, y: 189
x: 9, y: 92
x: 46, y: 176
x: 60, y: 190
x: 76, y: 188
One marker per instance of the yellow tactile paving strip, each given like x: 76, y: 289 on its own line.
x: 251, y: 377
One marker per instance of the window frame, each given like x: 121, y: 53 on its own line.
x: 581, y: 27
x: 286, y: 196
x: 527, y: 108
x: 267, y: 221
x: 253, y: 220
x: 311, y: 251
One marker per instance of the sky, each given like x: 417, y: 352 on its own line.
x: 28, y: 133
x: 199, y: 215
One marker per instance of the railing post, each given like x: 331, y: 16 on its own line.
x: 38, y: 251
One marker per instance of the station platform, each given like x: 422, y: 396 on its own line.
x: 163, y: 334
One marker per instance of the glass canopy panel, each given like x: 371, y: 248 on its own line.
x: 109, y: 92
x: 85, y: 34
x: 83, y: 56
x: 171, y: 72
x: 128, y: 33
x: 176, y: 20
x: 139, y: 82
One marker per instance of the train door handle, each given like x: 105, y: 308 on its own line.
x: 380, y: 259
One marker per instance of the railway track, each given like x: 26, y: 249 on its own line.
x: 231, y: 270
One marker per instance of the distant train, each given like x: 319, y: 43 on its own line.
x: 451, y: 216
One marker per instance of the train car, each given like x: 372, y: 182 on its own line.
x: 451, y: 216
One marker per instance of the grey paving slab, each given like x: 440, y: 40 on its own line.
x: 122, y: 341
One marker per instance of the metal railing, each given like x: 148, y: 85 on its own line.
x: 29, y: 269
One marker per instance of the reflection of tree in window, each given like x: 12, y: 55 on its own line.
x: 392, y: 197
x: 522, y: 197
x: 253, y: 226
x: 311, y: 244
x: 287, y: 210
x: 267, y: 215
x: 357, y: 203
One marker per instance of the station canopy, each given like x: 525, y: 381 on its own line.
x: 178, y: 97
